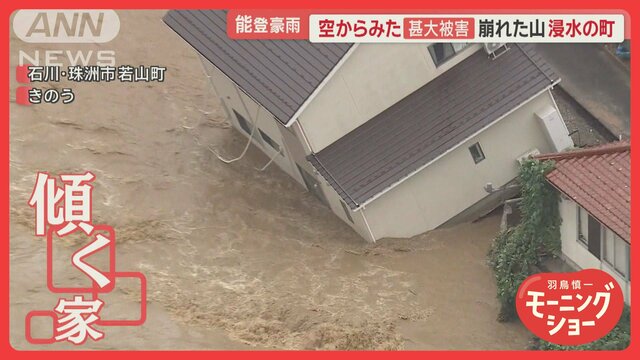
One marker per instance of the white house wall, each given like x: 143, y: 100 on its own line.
x: 233, y: 98
x: 577, y: 253
x: 374, y: 77
x: 358, y: 223
x: 291, y: 139
x: 454, y: 182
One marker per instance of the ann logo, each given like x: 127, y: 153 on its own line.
x: 74, y: 27
x: 66, y: 26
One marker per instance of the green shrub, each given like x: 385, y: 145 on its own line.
x: 517, y: 252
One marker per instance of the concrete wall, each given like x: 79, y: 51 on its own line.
x: 576, y: 253
x: 454, y: 182
x: 374, y: 77
x: 232, y: 98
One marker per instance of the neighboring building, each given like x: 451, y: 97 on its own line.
x: 396, y: 139
x: 594, y: 206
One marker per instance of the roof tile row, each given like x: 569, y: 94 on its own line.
x: 598, y: 179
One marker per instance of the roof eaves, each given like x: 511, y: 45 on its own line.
x: 582, y: 204
x: 611, y: 148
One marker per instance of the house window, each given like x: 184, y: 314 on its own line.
x: 616, y: 252
x: 441, y: 52
x: 244, y: 124
x: 346, y: 211
x: 589, y: 232
x: 270, y: 141
x: 582, y: 225
x: 476, y: 152
x: 608, y: 247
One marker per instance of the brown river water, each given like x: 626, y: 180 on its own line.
x: 235, y: 258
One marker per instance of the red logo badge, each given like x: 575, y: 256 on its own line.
x: 570, y: 308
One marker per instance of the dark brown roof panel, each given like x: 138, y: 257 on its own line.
x: 279, y: 74
x: 430, y: 121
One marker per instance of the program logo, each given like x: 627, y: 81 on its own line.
x: 570, y: 308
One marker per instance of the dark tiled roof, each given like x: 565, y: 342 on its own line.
x: 598, y: 180
x: 279, y: 74
x: 430, y: 121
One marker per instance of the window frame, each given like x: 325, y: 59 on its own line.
x: 347, y: 211
x: 580, y: 237
x: 244, y: 123
x: 606, y: 235
x: 476, y: 146
x: 432, y: 52
x: 614, y: 265
x: 592, y: 242
x: 272, y: 143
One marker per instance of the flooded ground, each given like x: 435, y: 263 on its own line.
x: 235, y: 258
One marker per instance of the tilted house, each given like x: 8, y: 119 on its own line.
x: 595, y: 208
x: 396, y: 139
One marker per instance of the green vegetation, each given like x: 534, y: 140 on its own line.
x: 517, y: 252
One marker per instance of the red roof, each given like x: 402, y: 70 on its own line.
x: 597, y: 178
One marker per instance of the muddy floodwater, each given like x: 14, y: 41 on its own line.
x: 235, y: 258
